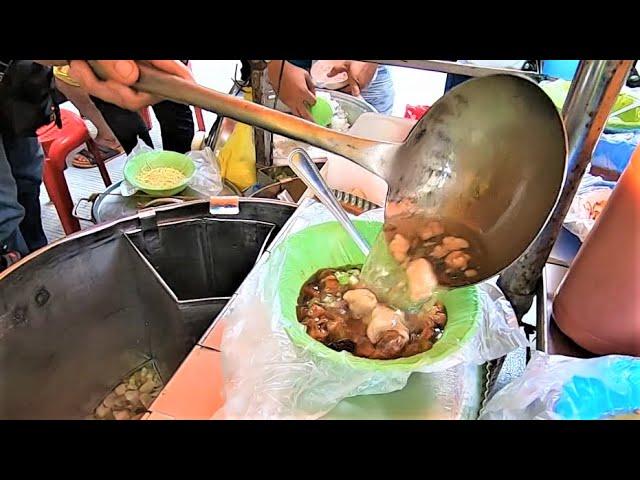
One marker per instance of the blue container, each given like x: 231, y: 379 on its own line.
x: 613, y: 150
x: 607, y: 387
x: 564, y: 69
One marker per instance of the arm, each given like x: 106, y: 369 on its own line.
x: 295, y: 87
x: 121, y: 75
x: 359, y: 74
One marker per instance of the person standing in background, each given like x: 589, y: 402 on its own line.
x: 69, y: 89
x: 175, y: 119
x: 25, y: 105
x: 292, y: 80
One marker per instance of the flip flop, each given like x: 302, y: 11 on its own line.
x: 84, y: 159
x: 108, y: 153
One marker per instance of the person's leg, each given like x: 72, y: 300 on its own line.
x: 87, y: 109
x: 26, y: 159
x: 11, y: 212
x: 453, y: 80
x: 380, y: 93
x: 126, y: 125
x: 176, y: 125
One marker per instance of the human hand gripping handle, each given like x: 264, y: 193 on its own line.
x: 118, y: 76
x: 369, y: 154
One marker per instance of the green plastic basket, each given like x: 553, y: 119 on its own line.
x: 630, y: 120
x: 155, y: 159
x: 328, y: 245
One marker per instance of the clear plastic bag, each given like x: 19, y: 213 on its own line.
x: 273, y: 369
x: 592, y: 194
x: 555, y: 387
x: 206, y: 180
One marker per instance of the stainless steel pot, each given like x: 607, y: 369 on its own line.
x: 81, y: 313
x: 110, y: 205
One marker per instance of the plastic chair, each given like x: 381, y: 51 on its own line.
x: 57, y: 144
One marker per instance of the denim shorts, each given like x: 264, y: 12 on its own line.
x: 379, y: 93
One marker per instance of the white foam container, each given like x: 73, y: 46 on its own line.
x: 342, y: 174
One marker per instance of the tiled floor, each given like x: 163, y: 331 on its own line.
x: 411, y: 86
x: 195, y: 390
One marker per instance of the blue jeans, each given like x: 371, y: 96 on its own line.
x: 454, y: 80
x: 379, y: 93
x: 20, y: 178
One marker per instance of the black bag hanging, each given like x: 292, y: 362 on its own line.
x: 26, y: 101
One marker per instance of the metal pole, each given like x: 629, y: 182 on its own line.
x: 262, y: 138
x: 456, y: 68
x: 591, y: 97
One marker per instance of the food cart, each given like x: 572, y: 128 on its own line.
x: 154, y: 289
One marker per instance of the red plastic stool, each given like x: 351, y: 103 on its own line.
x: 146, y: 117
x: 57, y: 144
x: 415, y: 112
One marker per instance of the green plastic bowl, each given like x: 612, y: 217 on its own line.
x: 328, y: 245
x: 155, y: 159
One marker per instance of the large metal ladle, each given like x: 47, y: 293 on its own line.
x: 490, y: 154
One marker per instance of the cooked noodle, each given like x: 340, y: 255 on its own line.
x: 160, y: 177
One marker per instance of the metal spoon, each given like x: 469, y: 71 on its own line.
x: 301, y: 163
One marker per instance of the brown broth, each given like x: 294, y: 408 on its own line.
x: 328, y: 319
x: 387, y: 278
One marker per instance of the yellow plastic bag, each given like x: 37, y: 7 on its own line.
x: 238, y: 156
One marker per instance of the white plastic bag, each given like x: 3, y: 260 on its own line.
x: 206, y: 180
x: 554, y: 387
x: 266, y: 376
x: 580, y: 218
